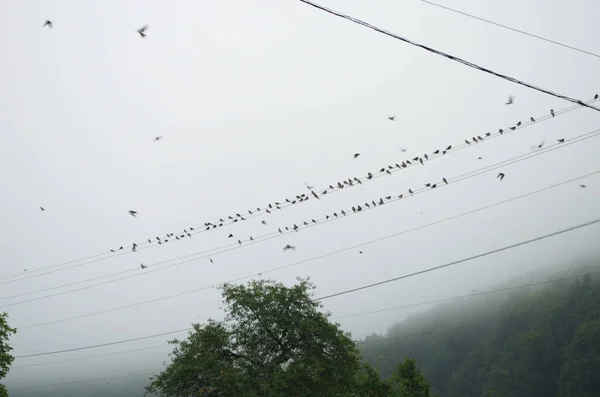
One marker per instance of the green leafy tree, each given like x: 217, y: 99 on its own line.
x: 5, y: 358
x: 580, y: 373
x: 273, y: 342
x: 409, y: 381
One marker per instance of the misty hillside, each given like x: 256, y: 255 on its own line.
x: 541, y: 340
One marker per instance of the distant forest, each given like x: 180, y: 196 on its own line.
x: 539, y: 341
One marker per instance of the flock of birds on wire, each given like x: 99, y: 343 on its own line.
x: 338, y: 186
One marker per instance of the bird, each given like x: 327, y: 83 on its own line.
x: 289, y: 247
x: 403, y: 149
x: 552, y: 112
x: 356, y: 155
x: 239, y: 242
x: 158, y: 138
x: 445, y: 181
x: 308, y: 186
x: 230, y: 236
x: 500, y: 175
x: 562, y: 140
x: 42, y: 208
x: 511, y: 100
x: 479, y: 158
x: 211, y: 261
x: 584, y: 186
x: 143, y: 266
x: 532, y: 120
x: 142, y: 30
x: 540, y: 145
x: 596, y: 96
x: 263, y: 222
x: 392, y: 118
x: 133, y: 213
x: 48, y: 23
x: 360, y: 252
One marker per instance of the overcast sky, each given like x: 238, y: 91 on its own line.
x: 253, y: 99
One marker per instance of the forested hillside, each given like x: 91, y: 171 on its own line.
x: 538, y: 341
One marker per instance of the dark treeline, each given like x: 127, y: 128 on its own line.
x: 539, y: 341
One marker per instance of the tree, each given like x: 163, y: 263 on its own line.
x: 580, y: 373
x: 5, y: 358
x: 409, y: 381
x: 274, y: 341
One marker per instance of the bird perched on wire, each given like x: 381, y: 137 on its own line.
x: 48, y: 23
x: 511, y: 100
x: 133, y: 213
x: 142, y: 31
x: 289, y: 247
x: 143, y: 266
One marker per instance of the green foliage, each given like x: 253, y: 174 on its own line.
x: 274, y: 341
x: 539, y: 342
x: 5, y: 358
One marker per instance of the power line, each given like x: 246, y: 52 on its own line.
x: 89, y: 357
x: 260, y: 239
x: 451, y: 57
x: 270, y: 236
x: 348, y: 291
x: 102, y: 344
x: 310, y: 259
x: 513, y: 29
x: 104, y: 256
x: 464, y: 296
x: 79, y: 382
x: 431, y: 269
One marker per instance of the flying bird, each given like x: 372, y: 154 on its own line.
x: 48, y: 23
x: 158, y: 138
x: 133, y: 213
x: 511, y: 100
x: 392, y: 118
x: 263, y: 222
x: 289, y: 247
x: 211, y: 261
x: 500, y: 175
x: 402, y: 149
x: 584, y: 186
x: 356, y: 155
x: 42, y: 208
x: 142, y: 30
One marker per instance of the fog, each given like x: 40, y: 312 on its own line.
x: 253, y: 101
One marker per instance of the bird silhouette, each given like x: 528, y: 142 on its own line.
x: 532, y: 120
x: 211, y: 261
x: 356, y: 155
x: 42, y: 208
x: 143, y: 266
x: 142, y: 31
x: 48, y: 23
x: 403, y: 149
x: 596, y: 96
x: 263, y: 222
x: 393, y: 118
x: 133, y: 213
x: 308, y: 186
x: 445, y: 181
x: 158, y: 138
x: 552, y: 112
x: 289, y: 247
x: 562, y: 140
x: 230, y: 236
x: 584, y: 186
x: 500, y: 175
x: 511, y: 100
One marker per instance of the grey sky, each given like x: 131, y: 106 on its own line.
x: 253, y: 100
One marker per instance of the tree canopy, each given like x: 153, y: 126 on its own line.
x: 274, y: 341
x: 5, y: 357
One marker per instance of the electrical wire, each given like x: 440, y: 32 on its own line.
x: 452, y: 298
x: 306, y: 260
x: 105, y: 256
x: 451, y: 57
x: 457, y: 179
x: 11, y: 390
x: 431, y: 269
x: 513, y: 29
x: 348, y: 291
x: 270, y: 236
x: 489, y: 292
